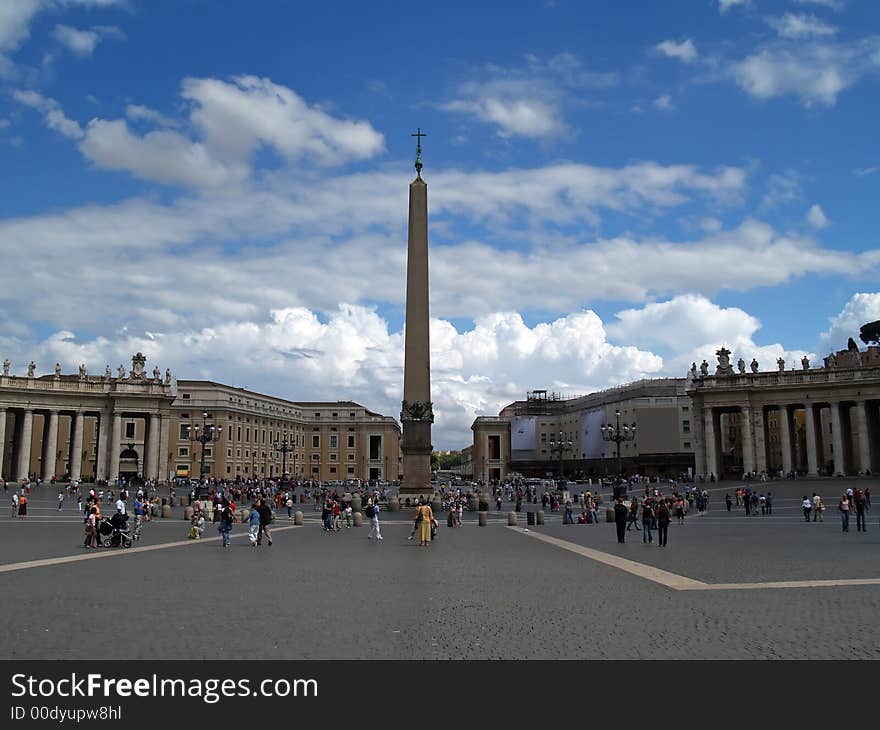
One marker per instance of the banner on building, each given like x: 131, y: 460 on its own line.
x: 522, y: 438
x: 592, y: 445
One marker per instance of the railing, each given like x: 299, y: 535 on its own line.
x: 786, y: 377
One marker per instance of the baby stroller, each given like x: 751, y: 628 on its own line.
x: 114, y: 532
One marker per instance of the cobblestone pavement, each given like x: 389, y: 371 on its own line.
x: 475, y: 593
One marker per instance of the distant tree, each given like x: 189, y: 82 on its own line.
x: 870, y: 333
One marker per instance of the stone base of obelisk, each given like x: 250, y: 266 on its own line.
x: 416, y: 461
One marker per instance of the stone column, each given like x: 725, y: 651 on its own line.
x: 864, y: 440
x: 115, y: 438
x: 2, y: 438
x: 151, y: 468
x: 164, y: 432
x: 748, y: 441
x: 101, y: 467
x: 699, y: 444
x: 785, y: 438
x: 76, y: 445
x: 760, y: 441
x: 50, y: 445
x: 812, y: 444
x: 837, y: 439
x: 711, y: 445
x: 24, y: 446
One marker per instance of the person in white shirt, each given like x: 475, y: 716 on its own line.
x: 120, y: 506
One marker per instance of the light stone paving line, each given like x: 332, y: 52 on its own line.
x: 683, y: 583
x: 111, y: 552
x: 648, y: 572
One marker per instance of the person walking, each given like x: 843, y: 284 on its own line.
x: 769, y: 500
x: 663, y: 519
x: 424, y: 516
x: 15, y: 504
x: 633, y: 515
x: 843, y: 508
x: 620, y: 519
x: 22, y: 505
x: 861, y: 522
x: 728, y: 502
x: 807, y: 506
x: 60, y: 500
x: 253, y: 524
x: 372, y: 512
x: 265, y: 520
x: 227, y: 518
x: 91, y: 540
x: 647, y: 521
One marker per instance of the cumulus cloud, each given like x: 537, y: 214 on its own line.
x: 527, y: 101
x: 664, y: 103
x: 234, y: 120
x: 861, y: 308
x: 141, y: 113
x: 691, y: 328
x: 816, y: 217
x: 816, y: 72
x: 684, y: 51
x: 831, y: 4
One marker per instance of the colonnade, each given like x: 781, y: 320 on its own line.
x: 17, y: 454
x: 838, y: 434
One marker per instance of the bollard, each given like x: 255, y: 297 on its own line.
x: 436, y: 506
x: 530, y: 518
x: 473, y: 503
x: 187, y: 513
x: 356, y: 502
x: 511, y: 519
x: 483, y: 519
x: 539, y: 517
x: 166, y: 510
x: 394, y: 504
x: 297, y: 518
x: 358, y: 519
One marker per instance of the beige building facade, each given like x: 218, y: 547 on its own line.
x: 524, y: 437
x: 132, y: 423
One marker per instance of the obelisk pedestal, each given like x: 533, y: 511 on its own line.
x: 416, y: 412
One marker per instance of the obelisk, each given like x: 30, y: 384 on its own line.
x: 416, y: 412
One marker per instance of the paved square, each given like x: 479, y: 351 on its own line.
x: 492, y: 592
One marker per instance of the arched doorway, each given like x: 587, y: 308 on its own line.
x: 129, y: 462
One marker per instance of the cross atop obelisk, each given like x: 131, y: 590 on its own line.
x: 416, y: 413
x: 419, y: 134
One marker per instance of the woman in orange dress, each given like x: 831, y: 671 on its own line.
x: 427, y: 517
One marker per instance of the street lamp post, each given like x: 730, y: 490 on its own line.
x: 205, y: 434
x: 617, y: 434
x: 283, y: 446
x: 559, y: 447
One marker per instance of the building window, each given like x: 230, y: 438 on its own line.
x: 183, y: 451
x: 351, y: 457
x: 316, y: 441
x: 375, y: 447
x: 686, y: 426
x: 247, y: 434
x: 351, y: 470
x: 332, y: 457
x: 228, y: 469
x: 184, y: 432
x: 333, y: 441
x: 317, y: 415
x: 335, y: 415
x: 351, y: 441
x: 316, y: 457
x: 332, y: 469
x: 687, y: 444
x: 238, y: 436
x: 230, y: 433
x: 129, y: 430
x: 182, y: 468
x: 351, y: 414
x: 228, y: 453
x: 185, y: 396
x: 209, y: 452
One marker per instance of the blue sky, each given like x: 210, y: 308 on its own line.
x: 616, y: 189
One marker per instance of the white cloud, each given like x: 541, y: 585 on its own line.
x: 864, y: 171
x: 815, y: 72
x: 684, y: 51
x: 53, y: 115
x: 141, y: 113
x: 83, y: 42
x: 782, y: 188
x: 690, y: 328
x: 861, y: 308
x: 234, y: 120
x: 793, y: 25
x: 529, y: 101
x: 725, y: 5
x: 831, y: 4
x: 664, y: 103
x: 816, y: 217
